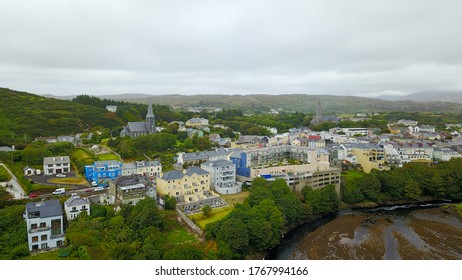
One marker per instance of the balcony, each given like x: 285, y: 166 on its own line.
x: 56, y: 236
x: 39, y: 229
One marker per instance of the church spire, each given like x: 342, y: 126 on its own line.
x: 150, y: 119
x: 150, y: 114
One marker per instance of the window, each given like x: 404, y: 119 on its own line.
x: 74, y: 208
x: 34, y: 238
x: 34, y: 247
x: 43, y: 225
x: 33, y: 226
x: 56, y: 227
x: 44, y: 246
x: 44, y: 237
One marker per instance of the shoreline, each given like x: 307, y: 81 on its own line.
x: 295, y: 227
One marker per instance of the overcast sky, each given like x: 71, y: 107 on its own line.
x: 342, y: 47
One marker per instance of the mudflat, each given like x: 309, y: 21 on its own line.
x: 432, y: 234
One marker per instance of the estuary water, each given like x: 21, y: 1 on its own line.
x: 410, y: 232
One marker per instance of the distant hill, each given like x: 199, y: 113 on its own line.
x: 289, y: 102
x: 26, y: 115
x: 427, y: 96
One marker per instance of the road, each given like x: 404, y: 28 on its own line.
x: 15, y: 188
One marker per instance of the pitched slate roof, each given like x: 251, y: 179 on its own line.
x: 194, y: 169
x: 75, y: 200
x: 172, y: 175
x: 57, y: 159
x: 137, y: 126
x: 47, y: 208
x: 105, y: 162
x: 218, y: 163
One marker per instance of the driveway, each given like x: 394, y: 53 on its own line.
x: 14, y: 188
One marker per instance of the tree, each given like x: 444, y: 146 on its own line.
x: 13, y: 237
x: 287, y: 201
x: 370, y: 186
x: 351, y: 193
x: 169, y: 202
x: 185, y: 251
x: 258, y: 194
x: 206, y: 211
x: 145, y: 214
x: 234, y: 232
x: 412, y: 190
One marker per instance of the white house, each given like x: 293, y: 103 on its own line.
x: 28, y: 171
x: 222, y: 176
x: 445, y: 154
x: 56, y: 165
x: 44, y: 221
x: 76, y: 205
x: 150, y: 169
x: 197, y: 122
x: 408, y: 152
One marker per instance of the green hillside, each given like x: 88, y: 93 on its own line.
x: 26, y: 116
x: 293, y: 102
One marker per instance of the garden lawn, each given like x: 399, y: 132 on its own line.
x: 233, y: 199
x: 216, y: 215
x: 81, y: 155
x: 108, y: 156
x: 70, y: 181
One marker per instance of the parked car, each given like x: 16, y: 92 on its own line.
x: 33, y: 195
x: 59, y: 191
x: 98, y: 189
x: 88, y: 190
x: 94, y: 184
x: 61, y: 175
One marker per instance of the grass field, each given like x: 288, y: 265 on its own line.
x: 4, y: 175
x: 216, y: 215
x: 219, y: 213
x: 179, y: 235
x: 81, y: 155
x: 108, y: 156
x: 459, y: 208
x: 72, y: 181
x: 233, y: 199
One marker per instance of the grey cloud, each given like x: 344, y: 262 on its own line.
x: 338, y: 47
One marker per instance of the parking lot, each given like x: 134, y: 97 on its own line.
x: 45, y: 180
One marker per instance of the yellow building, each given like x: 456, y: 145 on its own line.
x: 191, y: 188
x: 369, y: 156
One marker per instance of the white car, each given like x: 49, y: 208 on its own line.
x: 60, y: 175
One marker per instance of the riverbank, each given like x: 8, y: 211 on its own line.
x: 406, y: 233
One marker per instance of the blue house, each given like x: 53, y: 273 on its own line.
x: 239, y: 158
x: 102, y: 171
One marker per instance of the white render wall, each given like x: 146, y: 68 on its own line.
x: 72, y: 214
x: 46, y: 231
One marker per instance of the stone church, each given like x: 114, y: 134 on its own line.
x: 135, y: 129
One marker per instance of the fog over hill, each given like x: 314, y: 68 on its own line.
x: 288, y: 102
x: 427, y: 96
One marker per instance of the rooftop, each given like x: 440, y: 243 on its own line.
x: 48, y: 208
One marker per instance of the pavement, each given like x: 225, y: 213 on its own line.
x: 14, y: 188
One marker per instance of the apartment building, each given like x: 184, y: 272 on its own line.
x: 103, y: 171
x: 191, y: 188
x: 222, y: 176
x: 44, y: 221
x: 147, y: 168
x: 56, y: 165
x: 131, y: 189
